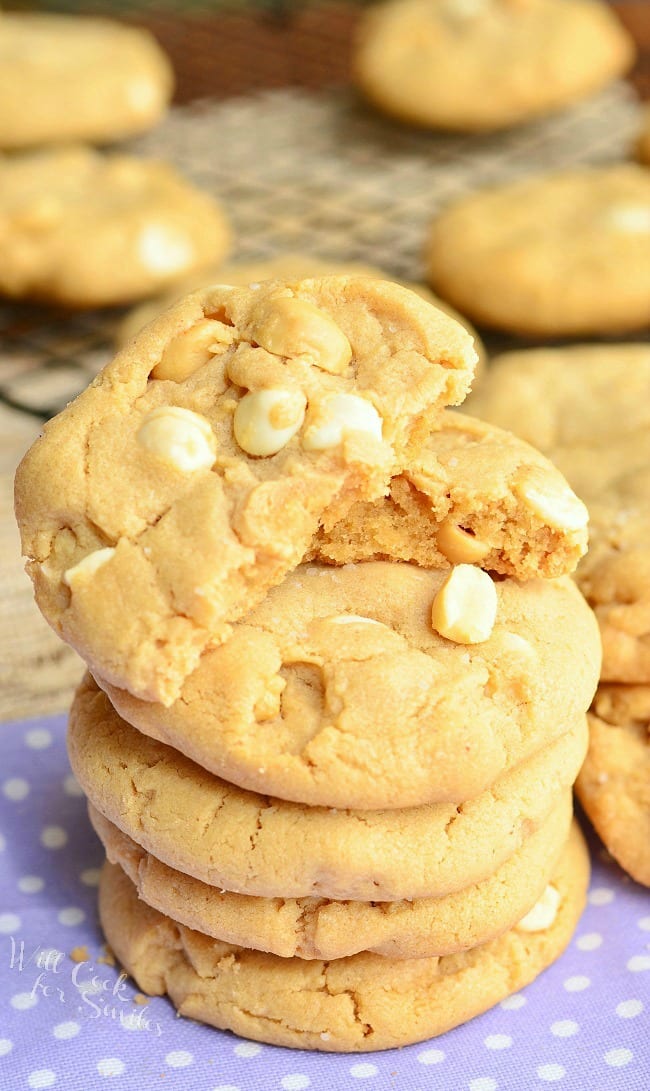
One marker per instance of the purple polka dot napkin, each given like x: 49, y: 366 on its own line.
x: 584, y: 1025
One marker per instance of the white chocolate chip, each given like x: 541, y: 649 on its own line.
x: 164, y: 251
x: 291, y: 327
x: 458, y: 545
x: 543, y: 913
x: 465, y: 608
x: 269, y: 704
x: 265, y: 420
x: 551, y: 500
x: 87, y: 567
x: 179, y: 436
x: 192, y: 349
x: 632, y: 219
x: 335, y: 417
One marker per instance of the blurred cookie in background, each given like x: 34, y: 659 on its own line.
x: 642, y: 146
x: 84, y: 229
x: 67, y: 78
x: 482, y: 65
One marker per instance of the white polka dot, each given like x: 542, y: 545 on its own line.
x: 110, y: 1066
x: 431, y: 1056
x: 564, y: 1028
x: 627, y: 1009
x: 576, y: 984
x: 498, y: 1041
x: 551, y: 1072
x: 42, y: 1077
x: 9, y: 922
x: 71, y: 915
x: 295, y: 1082
x: 15, y: 789
x: 179, y: 1058
x: 3, y: 842
x: 483, y: 1083
x: 617, y: 1058
x: 132, y: 1020
x: 30, y: 884
x: 38, y: 738
x: 644, y: 924
x: 53, y: 837
x: 247, y: 1049
x: 513, y: 1003
x: 364, y: 1070
x: 600, y: 895
x: 90, y: 876
x: 72, y: 787
x: 66, y: 1030
x: 638, y: 963
x: 6, y: 1046
x: 23, y: 1001
x: 591, y: 941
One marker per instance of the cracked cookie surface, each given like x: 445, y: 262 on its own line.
x: 252, y: 844
x: 194, y: 472
x: 321, y: 928
x: 365, y: 1002
x: 148, y: 226
x: 563, y: 254
x: 336, y: 690
x: 429, y: 62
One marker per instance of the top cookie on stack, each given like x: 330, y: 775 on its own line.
x: 205, y: 461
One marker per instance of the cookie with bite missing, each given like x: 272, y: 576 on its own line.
x: 358, y: 687
x: 256, y: 844
x: 321, y: 928
x: 83, y: 228
x: 588, y: 408
x: 67, y: 77
x: 614, y: 783
x: 365, y: 1002
x: 483, y: 65
x: 562, y: 254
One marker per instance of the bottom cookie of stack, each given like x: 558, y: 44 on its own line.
x: 361, y: 1003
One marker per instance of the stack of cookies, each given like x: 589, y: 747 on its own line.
x: 339, y: 675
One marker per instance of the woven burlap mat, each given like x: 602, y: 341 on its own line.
x: 298, y: 172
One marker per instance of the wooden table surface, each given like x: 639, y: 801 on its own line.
x: 214, y: 55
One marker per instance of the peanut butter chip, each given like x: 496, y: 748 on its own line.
x: 87, y: 568
x: 293, y: 328
x: 265, y: 420
x: 543, y: 913
x: 180, y: 437
x: 333, y: 418
x: 553, y: 501
x: 465, y: 608
x: 458, y: 545
x: 192, y: 349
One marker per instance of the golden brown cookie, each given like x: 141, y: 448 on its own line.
x: 84, y: 228
x: 194, y: 472
x: 253, y: 844
x: 320, y: 928
x: 66, y: 77
x: 642, y: 144
x: 361, y: 1003
x: 480, y: 65
x: 614, y: 782
x: 564, y: 254
x: 337, y: 690
x: 588, y: 408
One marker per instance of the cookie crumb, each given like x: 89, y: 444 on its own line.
x: 79, y: 954
x: 140, y: 999
x: 108, y: 958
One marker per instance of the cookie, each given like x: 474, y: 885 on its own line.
x: 614, y: 782
x: 642, y: 144
x: 285, y: 266
x: 361, y: 1003
x: 588, y: 408
x: 252, y: 844
x: 66, y: 78
x: 319, y: 928
x: 482, y: 65
x: 563, y: 254
x: 83, y: 228
x: 194, y: 472
x: 337, y: 691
